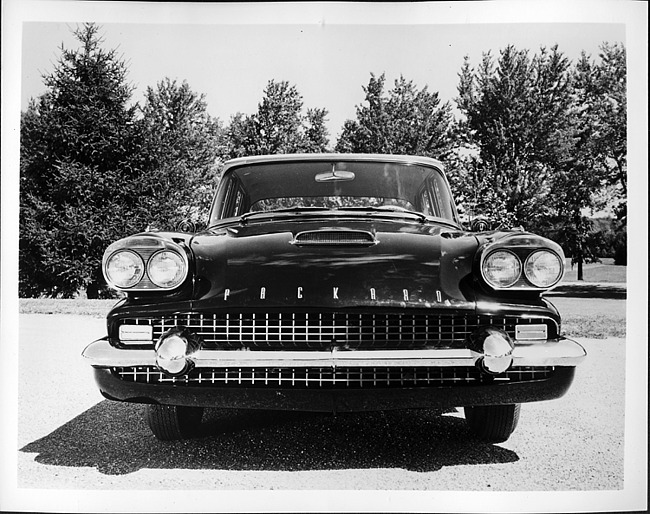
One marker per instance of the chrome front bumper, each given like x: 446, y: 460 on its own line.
x: 561, y: 352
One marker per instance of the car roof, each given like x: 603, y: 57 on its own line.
x: 393, y: 158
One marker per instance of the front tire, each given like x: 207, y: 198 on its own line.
x: 172, y: 422
x: 493, y: 423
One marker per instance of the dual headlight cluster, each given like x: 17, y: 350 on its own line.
x: 504, y: 269
x: 145, y: 263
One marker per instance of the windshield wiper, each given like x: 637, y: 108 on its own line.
x: 392, y: 209
x: 247, y: 215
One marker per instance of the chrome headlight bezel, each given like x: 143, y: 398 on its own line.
x: 146, y: 247
x: 530, y: 262
x: 153, y: 273
x: 138, y: 264
x: 504, y: 253
x: 527, y: 248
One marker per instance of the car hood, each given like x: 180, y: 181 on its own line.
x: 407, y: 264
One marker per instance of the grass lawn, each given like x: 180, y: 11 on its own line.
x: 595, y: 307
x: 77, y: 306
x: 594, y: 318
x: 602, y: 272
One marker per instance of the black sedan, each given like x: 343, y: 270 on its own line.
x: 333, y: 282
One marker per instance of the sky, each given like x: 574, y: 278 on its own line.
x: 328, y: 63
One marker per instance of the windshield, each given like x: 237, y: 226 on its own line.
x: 327, y: 202
x: 325, y: 185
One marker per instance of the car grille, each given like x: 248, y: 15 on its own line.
x: 318, y: 330
x: 329, y: 378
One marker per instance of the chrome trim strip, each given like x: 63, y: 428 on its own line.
x: 328, y: 237
x: 328, y: 157
x: 562, y: 352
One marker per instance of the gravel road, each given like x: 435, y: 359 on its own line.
x: 70, y: 437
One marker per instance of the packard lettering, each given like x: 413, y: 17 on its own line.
x: 300, y: 294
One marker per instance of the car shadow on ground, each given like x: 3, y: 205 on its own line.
x: 613, y: 291
x: 114, y: 438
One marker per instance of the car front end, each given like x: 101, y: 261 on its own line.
x: 341, y: 306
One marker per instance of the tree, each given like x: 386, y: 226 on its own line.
x: 544, y: 139
x: 181, y: 153
x: 598, y: 153
x: 606, y: 98
x: 316, y: 133
x: 403, y: 121
x: 516, y: 129
x: 75, y: 196
x: 242, y: 136
x: 279, y: 125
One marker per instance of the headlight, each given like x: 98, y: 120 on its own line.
x: 166, y: 269
x: 543, y: 268
x: 124, y: 269
x: 501, y: 269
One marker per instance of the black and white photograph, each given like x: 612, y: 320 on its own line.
x: 324, y: 256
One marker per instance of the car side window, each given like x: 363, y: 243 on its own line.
x: 226, y: 200
x: 234, y: 201
x: 424, y: 202
x: 238, y: 202
x: 443, y: 200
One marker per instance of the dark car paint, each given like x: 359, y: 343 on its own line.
x: 414, y: 265
x: 408, y: 256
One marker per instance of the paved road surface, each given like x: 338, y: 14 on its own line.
x: 69, y: 437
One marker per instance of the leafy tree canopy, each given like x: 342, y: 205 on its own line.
x: 406, y: 120
x: 95, y: 168
x: 76, y: 145
x: 182, y: 152
x: 515, y: 113
x: 543, y: 138
x: 279, y: 126
x: 538, y: 143
x: 598, y: 162
x: 602, y: 99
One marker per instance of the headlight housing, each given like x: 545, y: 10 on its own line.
x: 166, y: 269
x: 145, y: 262
x: 519, y: 261
x: 543, y: 268
x: 124, y: 269
x: 501, y: 269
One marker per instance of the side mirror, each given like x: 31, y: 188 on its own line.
x: 480, y: 224
x: 189, y: 227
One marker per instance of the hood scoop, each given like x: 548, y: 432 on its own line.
x: 334, y: 237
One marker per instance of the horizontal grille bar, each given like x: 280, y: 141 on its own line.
x: 328, y: 378
x: 317, y: 330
